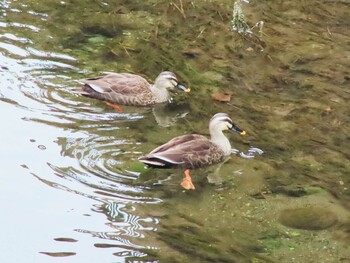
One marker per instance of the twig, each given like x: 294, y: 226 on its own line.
x: 180, y: 9
x: 329, y: 32
x: 126, y: 49
x: 201, y: 32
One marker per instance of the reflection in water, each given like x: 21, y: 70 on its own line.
x: 165, y: 116
x: 125, y: 225
x: 35, y: 82
x: 26, y: 77
x: 251, y: 152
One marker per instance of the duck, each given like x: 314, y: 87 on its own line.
x: 193, y: 151
x: 130, y: 89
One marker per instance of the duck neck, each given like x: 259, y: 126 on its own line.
x: 161, y: 95
x: 218, y: 138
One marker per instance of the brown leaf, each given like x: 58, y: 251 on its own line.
x: 328, y: 109
x: 223, y: 97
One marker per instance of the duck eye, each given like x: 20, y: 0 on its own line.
x: 229, y: 124
x: 173, y: 81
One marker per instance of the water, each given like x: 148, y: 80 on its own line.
x: 71, y: 186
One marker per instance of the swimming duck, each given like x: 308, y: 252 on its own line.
x: 194, y: 150
x: 130, y: 89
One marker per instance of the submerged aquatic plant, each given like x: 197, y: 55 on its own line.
x: 238, y: 20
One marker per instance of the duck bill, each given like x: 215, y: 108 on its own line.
x: 183, y: 88
x: 237, y: 129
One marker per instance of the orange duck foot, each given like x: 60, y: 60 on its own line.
x: 116, y: 107
x: 187, y: 181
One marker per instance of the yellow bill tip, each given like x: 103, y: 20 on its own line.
x: 243, y: 133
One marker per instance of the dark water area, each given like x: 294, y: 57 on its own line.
x: 71, y: 187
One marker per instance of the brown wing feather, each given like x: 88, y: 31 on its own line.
x: 190, y: 151
x: 119, y: 82
x: 179, y: 140
x: 123, y: 88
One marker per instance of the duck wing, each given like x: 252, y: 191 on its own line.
x: 190, y: 151
x: 179, y: 141
x: 123, y: 88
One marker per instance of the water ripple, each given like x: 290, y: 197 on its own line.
x: 251, y: 153
x: 98, y: 141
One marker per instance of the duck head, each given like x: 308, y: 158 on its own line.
x: 167, y: 80
x: 222, y: 122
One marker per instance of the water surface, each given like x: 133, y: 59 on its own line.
x: 72, y: 189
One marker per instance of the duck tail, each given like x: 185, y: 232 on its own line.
x: 79, y: 91
x: 152, y: 161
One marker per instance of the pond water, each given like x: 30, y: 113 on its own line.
x: 71, y: 187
